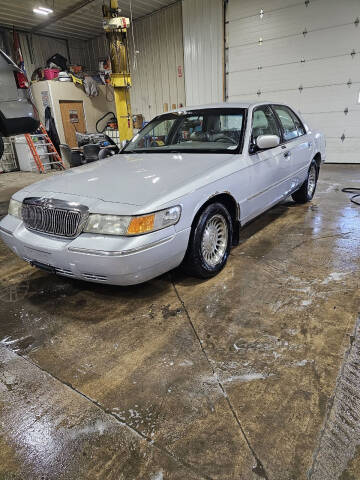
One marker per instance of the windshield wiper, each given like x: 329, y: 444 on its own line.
x: 137, y: 151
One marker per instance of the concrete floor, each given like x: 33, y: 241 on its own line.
x: 253, y: 374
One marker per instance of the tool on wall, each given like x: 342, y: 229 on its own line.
x: 54, y: 157
x: 111, y: 122
x: 115, y: 27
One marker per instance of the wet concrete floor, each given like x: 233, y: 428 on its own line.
x: 253, y: 374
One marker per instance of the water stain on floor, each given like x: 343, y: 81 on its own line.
x: 225, y: 379
x: 340, y: 436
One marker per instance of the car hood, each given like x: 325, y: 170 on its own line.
x: 135, y: 179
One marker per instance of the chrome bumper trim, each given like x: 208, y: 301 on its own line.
x: 119, y: 253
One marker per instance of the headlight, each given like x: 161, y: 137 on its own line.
x: 126, y: 225
x: 15, y: 208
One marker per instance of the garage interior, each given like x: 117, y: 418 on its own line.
x: 252, y: 374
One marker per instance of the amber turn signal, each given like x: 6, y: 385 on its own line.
x: 141, y: 224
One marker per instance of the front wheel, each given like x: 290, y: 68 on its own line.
x: 307, y: 189
x: 210, y: 241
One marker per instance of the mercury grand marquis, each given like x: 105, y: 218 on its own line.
x: 177, y: 194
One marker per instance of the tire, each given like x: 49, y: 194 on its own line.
x: 210, y: 242
x: 1, y: 146
x: 307, y: 189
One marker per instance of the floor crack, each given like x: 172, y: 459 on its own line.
x: 258, y: 468
x: 110, y: 413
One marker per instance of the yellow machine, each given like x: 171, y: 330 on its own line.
x: 116, y: 32
x: 76, y: 80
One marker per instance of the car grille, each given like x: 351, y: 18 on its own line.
x: 50, y: 216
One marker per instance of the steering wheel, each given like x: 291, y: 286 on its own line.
x: 224, y: 137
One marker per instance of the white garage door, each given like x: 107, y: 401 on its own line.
x: 305, y: 53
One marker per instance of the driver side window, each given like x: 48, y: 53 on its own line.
x: 157, y: 136
x: 263, y: 123
x: 191, y: 129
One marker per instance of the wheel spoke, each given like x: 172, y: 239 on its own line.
x: 215, y: 240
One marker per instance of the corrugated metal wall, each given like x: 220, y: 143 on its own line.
x: 37, y: 49
x: 79, y: 52
x: 94, y: 50
x: 203, y: 26
x: 157, y: 75
x: 158, y: 71
x: 302, y: 53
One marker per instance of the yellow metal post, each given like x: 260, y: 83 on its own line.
x: 116, y: 34
x: 121, y: 84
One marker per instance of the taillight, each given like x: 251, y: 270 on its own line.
x: 21, y: 80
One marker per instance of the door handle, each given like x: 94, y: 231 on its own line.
x: 310, y: 144
x: 287, y: 154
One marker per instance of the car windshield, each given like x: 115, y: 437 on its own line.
x: 211, y: 130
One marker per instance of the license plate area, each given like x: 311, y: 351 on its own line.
x: 37, y: 255
x: 43, y: 266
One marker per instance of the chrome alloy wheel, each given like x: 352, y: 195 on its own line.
x: 311, y: 181
x: 214, y: 241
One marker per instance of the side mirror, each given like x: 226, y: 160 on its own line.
x: 264, y: 142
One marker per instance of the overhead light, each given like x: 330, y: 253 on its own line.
x: 47, y: 10
x: 42, y: 10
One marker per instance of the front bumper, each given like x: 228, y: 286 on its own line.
x: 99, y: 258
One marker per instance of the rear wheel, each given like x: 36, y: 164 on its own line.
x: 307, y: 189
x: 210, y: 241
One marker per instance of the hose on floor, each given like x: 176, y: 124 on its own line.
x: 355, y: 196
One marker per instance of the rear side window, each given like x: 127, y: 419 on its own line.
x: 299, y: 125
x: 292, y: 127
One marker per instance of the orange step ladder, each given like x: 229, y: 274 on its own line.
x: 54, y: 157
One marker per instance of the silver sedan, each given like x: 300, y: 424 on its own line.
x: 178, y: 194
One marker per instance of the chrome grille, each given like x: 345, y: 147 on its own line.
x: 54, y: 217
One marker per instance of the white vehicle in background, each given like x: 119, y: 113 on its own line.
x: 178, y: 193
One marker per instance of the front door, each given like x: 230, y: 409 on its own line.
x: 73, y: 119
x: 268, y: 169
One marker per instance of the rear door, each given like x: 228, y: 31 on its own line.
x: 295, y: 143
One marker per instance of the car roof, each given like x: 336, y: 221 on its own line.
x: 220, y: 105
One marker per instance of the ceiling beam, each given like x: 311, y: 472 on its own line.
x: 60, y: 15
